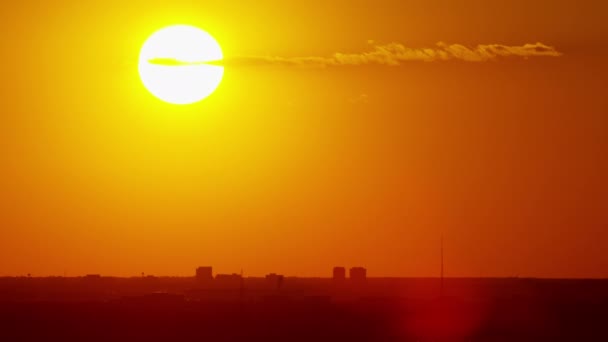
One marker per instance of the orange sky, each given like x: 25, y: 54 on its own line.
x: 296, y: 169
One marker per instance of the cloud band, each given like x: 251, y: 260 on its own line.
x: 395, y: 54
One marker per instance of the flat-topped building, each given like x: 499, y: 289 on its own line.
x: 204, y: 273
x: 358, y: 274
x: 339, y: 273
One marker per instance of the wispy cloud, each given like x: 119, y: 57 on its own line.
x: 176, y: 62
x: 395, y: 54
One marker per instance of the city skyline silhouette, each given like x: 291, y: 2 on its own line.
x: 340, y: 171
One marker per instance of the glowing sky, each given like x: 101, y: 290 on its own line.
x: 298, y: 163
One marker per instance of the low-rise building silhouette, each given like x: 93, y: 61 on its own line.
x: 92, y: 276
x: 358, y: 274
x: 275, y: 281
x: 229, y: 281
x: 229, y: 278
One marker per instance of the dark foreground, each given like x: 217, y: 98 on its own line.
x: 181, y: 309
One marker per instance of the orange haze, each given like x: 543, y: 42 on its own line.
x: 295, y: 169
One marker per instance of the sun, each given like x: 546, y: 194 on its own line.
x: 179, y: 64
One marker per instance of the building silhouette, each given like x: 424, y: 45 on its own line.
x: 339, y: 273
x: 275, y: 281
x: 92, y: 276
x: 358, y: 274
x: 204, y: 273
x: 229, y: 281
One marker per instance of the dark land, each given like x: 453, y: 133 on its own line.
x: 232, y: 308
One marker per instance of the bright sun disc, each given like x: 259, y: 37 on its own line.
x: 176, y: 64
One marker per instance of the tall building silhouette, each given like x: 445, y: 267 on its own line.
x: 339, y: 273
x: 204, y: 273
x: 358, y: 274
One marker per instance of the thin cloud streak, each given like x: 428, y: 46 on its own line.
x: 395, y: 54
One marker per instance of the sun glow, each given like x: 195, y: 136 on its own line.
x: 178, y: 64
